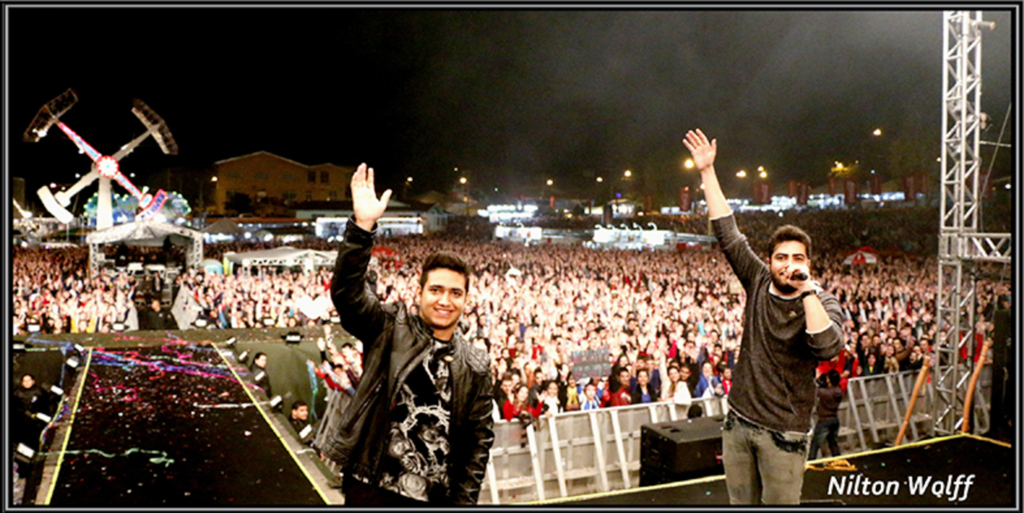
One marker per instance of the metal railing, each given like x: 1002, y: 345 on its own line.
x: 575, y: 453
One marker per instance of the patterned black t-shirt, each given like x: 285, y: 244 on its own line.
x: 415, y: 463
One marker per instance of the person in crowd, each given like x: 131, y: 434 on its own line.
x: 518, y: 403
x: 790, y: 325
x: 260, y: 375
x: 299, y: 419
x: 709, y: 385
x: 827, y: 428
x: 645, y: 391
x: 590, y: 400
x: 572, y: 394
x: 622, y: 395
x: 676, y: 388
x: 536, y: 386
x: 726, y: 380
x: 548, y: 401
x: 29, y: 400
x: 156, y: 318
x: 439, y: 408
x: 503, y: 392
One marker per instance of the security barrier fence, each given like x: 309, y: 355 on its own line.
x: 584, y: 452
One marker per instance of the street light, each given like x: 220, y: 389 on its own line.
x: 462, y: 180
x: 408, y: 180
x: 877, y: 132
x: 599, y: 179
x: 214, y: 179
x: 627, y: 174
x: 688, y: 164
x: 550, y: 182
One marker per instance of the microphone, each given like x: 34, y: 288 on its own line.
x: 799, y: 276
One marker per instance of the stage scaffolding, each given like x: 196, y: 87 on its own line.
x: 961, y: 246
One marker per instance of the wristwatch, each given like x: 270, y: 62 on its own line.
x: 807, y: 293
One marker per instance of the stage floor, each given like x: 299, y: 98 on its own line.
x: 962, y: 470
x: 172, y: 426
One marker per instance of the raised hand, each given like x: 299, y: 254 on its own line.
x: 366, y: 208
x: 703, y: 151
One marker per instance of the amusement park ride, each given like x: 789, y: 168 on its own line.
x: 104, y: 167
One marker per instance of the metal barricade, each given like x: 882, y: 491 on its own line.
x: 575, y: 453
x: 874, y: 406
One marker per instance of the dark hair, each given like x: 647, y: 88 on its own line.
x: 515, y: 393
x: 786, y: 233
x: 445, y: 260
x: 643, y: 371
x: 298, y: 404
x: 833, y: 377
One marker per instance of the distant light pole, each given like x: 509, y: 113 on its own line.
x: 409, y: 182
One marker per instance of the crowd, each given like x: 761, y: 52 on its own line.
x: 670, y: 321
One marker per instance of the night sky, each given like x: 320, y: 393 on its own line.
x: 510, y: 97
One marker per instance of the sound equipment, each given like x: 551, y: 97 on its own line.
x: 680, y: 450
x: 1003, y: 372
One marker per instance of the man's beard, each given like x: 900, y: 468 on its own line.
x: 783, y: 287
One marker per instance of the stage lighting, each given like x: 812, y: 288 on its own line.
x: 293, y: 337
x: 230, y: 342
x: 18, y: 347
x: 201, y: 323
x: 306, y: 431
x: 24, y: 453
x: 268, y: 321
x: 73, y: 362
x: 262, y: 376
x: 43, y: 417
x: 276, y: 402
x: 335, y: 319
x: 244, y: 356
x: 79, y: 348
x: 57, y: 390
x: 119, y: 326
x: 34, y: 327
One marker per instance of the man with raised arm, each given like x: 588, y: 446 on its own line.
x: 789, y: 324
x: 419, y: 430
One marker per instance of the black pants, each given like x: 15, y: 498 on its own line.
x: 358, y: 493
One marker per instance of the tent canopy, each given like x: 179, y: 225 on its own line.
x: 225, y: 226
x: 144, y: 233
x: 864, y: 255
x: 283, y: 256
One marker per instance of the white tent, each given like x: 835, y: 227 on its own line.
x: 224, y: 226
x: 146, y: 233
x: 862, y: 256
x: 284, y: 256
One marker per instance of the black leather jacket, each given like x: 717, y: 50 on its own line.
x: 394, y: 342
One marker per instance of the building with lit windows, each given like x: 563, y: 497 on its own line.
x: 265, y: 176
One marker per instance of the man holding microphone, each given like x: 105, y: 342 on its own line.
x: 789, y: 324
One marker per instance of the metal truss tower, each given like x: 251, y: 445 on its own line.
x: 961, y: 246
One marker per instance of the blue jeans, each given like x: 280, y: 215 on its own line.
x: 825, y: 430
x: 762, y: 466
